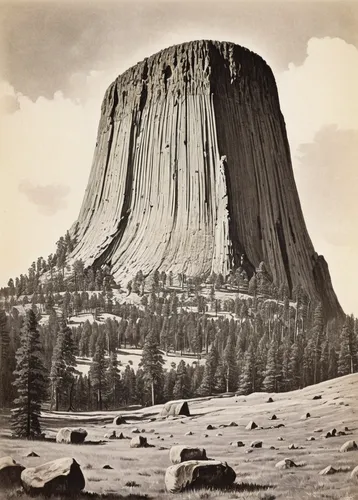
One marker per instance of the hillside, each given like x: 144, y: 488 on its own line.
x: 257, y: 477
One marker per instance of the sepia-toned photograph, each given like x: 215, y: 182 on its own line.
x: 178, y: 249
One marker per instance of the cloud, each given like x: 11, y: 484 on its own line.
x: 320, y: 105
x: 49, y: 199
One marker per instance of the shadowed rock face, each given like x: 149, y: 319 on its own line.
x: 192, y: 170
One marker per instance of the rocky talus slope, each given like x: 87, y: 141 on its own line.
x: 192, y: 170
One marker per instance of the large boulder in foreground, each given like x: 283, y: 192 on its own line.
x: 118, y: 420
x: 59, y: 476
x: 180, y: 454
x: 10, y: 473
x: 71, y: 436
x: 198, y: 474
x: 174, y: 409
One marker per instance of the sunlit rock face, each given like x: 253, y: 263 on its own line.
x: 192, y: 170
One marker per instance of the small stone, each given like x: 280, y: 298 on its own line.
x: 273, y: 417
x: 139, y: 442
x: 251, y: 425
x: 270, y: 400
x: 210, y: 427
x: 237, y: 444
x: 318, y: 430
x: 286, y: 463
x: 219, y: 434
x: 135, y: 430
x: 189, y: 433
x: 280, y: 438
x: 348, y: 446
x: 32, y: 454
x: 319, y: 396
x: 232, y: 424
x: 107, y: 467
x: 256, y: 444
x: 311, y: 438
x: 292, y: 446
x: 328, y: 471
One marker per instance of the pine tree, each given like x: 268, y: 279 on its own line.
x: 181, y: 388
x: 247, y: 380
x: 30, y: 381
x: 97, y: 373
x: 169, y: 383
x: 113, y: 382
x: 220, y: 379
x: 5, y: 375
x: 229, y: 364
x: 272, y: 378
x: 63, y: 369
x: 207, y: 385
x: 152, y: 363
x: 348, y: 354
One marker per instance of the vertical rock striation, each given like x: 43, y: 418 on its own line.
x: 192, y: 169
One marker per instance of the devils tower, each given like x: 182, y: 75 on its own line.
x: 192, y: 170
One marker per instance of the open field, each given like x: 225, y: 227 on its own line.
x: 141, y: 471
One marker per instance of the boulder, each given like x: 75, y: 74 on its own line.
x: 71, y: 436
x: 349, y: 446
x: 273, y: 417
x: 189, y: 433
x: 278, y: 426
x: 174, y: 409
x: 107, y: 467
x: 10, y: 473
x: 118, y: 420
x: 270, y: 400
x: 238, y: 444
x: 251, y: 425
x: 280, y: 438
x: 121, y: 436
x: 354, y: 473
x: 328, y: 471
x: 179, y: 454
x: 311, y: 438
x: 293, y: 447
x: 219, y: 434
x: 318, y: 396
x: 341, y: 433
x: 198, y: 474
x: 318, y: 430
x: 256, y: 444
x: 210, y: 427
x: 328, y: 435
x: 286, y: 463
x: 305, y: 416
x: 135, y: 430
x: 32, y: 454
x: 63, y: 475
x: 232, y: 424
x: 333, y: 432
x: 111, y: 436
x: 139, y: 442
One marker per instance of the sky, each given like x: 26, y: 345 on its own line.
x: 58, y: 58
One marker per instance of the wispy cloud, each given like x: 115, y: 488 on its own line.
x: 49, y: 199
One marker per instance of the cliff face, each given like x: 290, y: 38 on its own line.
x: 192, y: 169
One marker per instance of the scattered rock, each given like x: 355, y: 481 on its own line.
x: 143, y: 431
x: 251, y: 425
x: 306, y: 415
x: 286, y: 463
x: 139, y: 442
x: 233, y: 424
x: 293, y: 446
x: 249, y: 451
x: 171, y: 436
x: 311, y: 438
x: 219, y: 434
x: 63, y: 476
x: 198, y: 474
x: 272, y: 448
x: 278, y: 426
x: 333, y: 432
x: 280, y: 438
x: 354, y: 473
x: 71, y: 436
x: 32, y: 454
x: 175, y: 409
x: 108, y: 467
x: 135, y: 430
x: 318, y: 430
x: 179, y: 454
x: 10, y: 473
x: 328, y: 435
x: 111, y: 436
x: 341, y: 433
x: 238, y: 444
x: 206, y: 435
x: 328, y: 471
x: 210, y: 427
x: 118, y: 420
x: 270, y: 400
x: 121, y: 436
x: 273, y: 417
x: 348, y: 446
x: 189, y: 433
x: 319, y: 396
x: 346, y: 429
x: 256, y: 444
